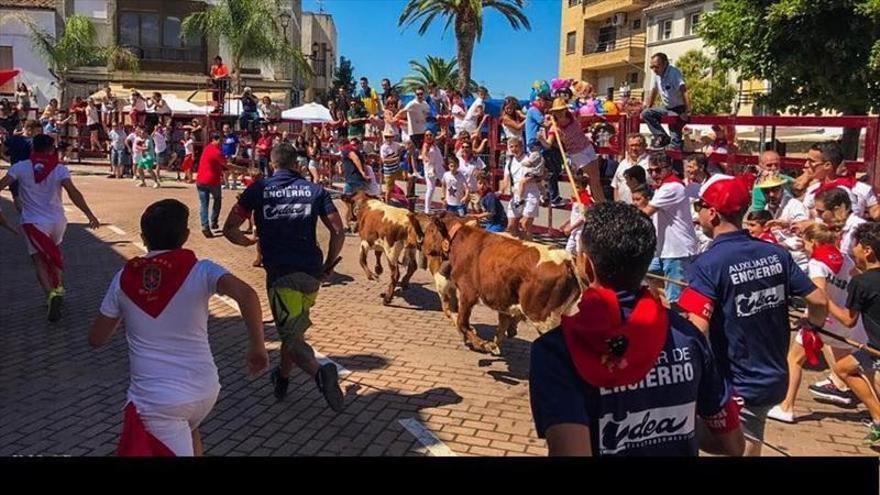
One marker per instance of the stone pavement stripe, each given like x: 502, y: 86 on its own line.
x: 425, y: 437
x: 116, y: 230
x: 228, y: 301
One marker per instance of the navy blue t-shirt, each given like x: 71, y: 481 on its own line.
x: 746, y: 284
x: 229, y: 145
x: 286, y: 209
x: 654, y: 417
x: 491, y: 204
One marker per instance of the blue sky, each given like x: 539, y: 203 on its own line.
x: 506, y: 61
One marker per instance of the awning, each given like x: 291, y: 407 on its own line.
x: 7, y: 75
x: 310, y: 113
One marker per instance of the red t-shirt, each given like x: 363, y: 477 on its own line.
x: 211, y: 166
x: 265, y: 141
x: 80, y: 111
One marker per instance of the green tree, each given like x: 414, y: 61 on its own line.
x: 707, y: 83
x: 343, y: 77
x: 816, y: 54
x: 251, y: 31
x: 437, y: 70
x: 77, y: 46
x: 467, y: 18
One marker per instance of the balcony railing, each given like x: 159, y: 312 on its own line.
x: 604, y: 46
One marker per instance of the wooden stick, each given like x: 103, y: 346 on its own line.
x: 577, y: 194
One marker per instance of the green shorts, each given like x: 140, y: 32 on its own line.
x: 290, y: 298
x: 146, y: 163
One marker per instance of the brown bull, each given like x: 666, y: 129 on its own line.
x: 391, y: 231
x: 520, y: 280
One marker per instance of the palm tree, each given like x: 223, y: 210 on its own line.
x: 251, y: 31
x: 437, y: 70
x: 467, y: 17
x: 76, y: 47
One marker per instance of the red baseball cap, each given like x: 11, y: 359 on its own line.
x: 607, y: 351
x: 729, y: 195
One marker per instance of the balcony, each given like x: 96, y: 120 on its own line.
x: 600, y: 9
x: 620, y: 52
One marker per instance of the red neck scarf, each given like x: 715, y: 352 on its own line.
x: 847, y: 182
x: 44, y: 164
x: 152, y: 282
x: 671, y: 179
x: 607, y: 351
x: 830, y: 255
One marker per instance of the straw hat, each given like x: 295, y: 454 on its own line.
x: 769, y: 181
x: 388, y: 132
x: 559, y: 105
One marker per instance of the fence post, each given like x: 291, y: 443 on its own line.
x: 872, y: 140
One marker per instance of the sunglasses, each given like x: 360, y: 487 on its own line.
x: 655, y: 170
x: 699, y: 205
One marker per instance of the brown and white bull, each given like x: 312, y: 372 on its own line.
x: 391, y: 231
x: 520, y: 280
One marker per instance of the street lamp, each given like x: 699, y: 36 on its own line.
x: 284, y: 18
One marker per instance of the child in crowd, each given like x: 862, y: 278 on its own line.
x: 756, y: 221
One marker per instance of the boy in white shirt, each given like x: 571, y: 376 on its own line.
x: 455, y: 188
x: 163, y: 298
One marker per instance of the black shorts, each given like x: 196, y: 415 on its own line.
x: 417, y: 140
x: 94, y: 127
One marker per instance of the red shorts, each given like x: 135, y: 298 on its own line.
x: 188, y: 162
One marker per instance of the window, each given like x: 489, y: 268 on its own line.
x: 96, y: 9
x: 607, y: 38
x: 633, y: 78
x: 664, y: 29
x: 6, y: 64
x: 570, y: 42
x: 155, y: 37
x: 573, y: 3
x: 637, y: 24
x: 693, y: 20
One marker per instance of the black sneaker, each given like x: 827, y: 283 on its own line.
x: 559, y: 202
x: 327, y: 380
x: 56, y: 297
x: 207, y: 233
x: 828, y: 392
x: 215, y: 226
x: 279, y: 383
x: 659, y: 142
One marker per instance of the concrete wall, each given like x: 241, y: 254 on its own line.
x: 320, y: 28
x: 34, y: 72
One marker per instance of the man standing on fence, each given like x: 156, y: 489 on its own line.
x: 739, y: 291
x: 675, y: 101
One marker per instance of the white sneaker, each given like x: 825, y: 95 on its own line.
x: 779, y: 415
x: 141, y: 184
x: 156, y: 186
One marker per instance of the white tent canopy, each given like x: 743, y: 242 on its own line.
x: 310, y: 113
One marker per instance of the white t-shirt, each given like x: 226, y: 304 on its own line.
x: 847, y: 242
x: 472, y: 117
x: 169, y: 356
x: 92, y: 117
x: 470, y: 169
x: 791, y: 210
x: 619, y: 181
x: 675, y: 229
x: 159, y: 142
x: 835, y: 289
x: 865, y: 198
x: 458, y: 123
x: 454, y: 186
x: 515, y: 172
x: 374, y: 189
x: 434, y: 167
x: 810, y: 196
x: 416, y: 116
x: 390, y: 149
x: 189, y: 146
x: 40, y: 202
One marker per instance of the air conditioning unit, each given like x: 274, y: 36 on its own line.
x: 619, y: 19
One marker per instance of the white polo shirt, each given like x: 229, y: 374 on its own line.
x: 675, y: 230
x: 169, y: 356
